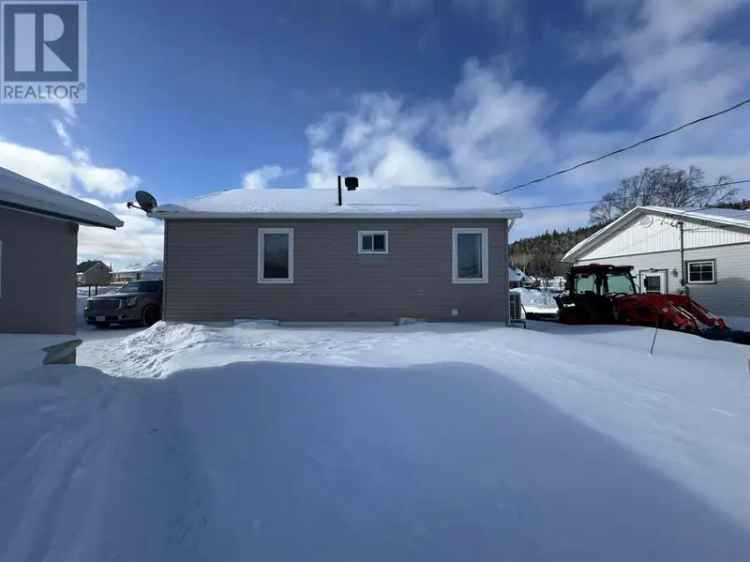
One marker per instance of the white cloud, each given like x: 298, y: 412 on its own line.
x: 62, y: 133
x: 64, y: 173
x: 141, y: 239
x: 260, y: 178
x: 109, y: 182
x: 68, y: 109
x: 666, y: 66
x: 50, y: 169
x: 489, y: 129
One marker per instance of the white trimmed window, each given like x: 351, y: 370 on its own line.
x: 372, y: 241
x: 699, y: 272
x: 470, y: 255
x: 275, y: 255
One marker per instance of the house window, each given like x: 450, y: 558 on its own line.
x: 275, y: 255
x: 701, y: 271
x: 372, y: 241
x: 470, y: 255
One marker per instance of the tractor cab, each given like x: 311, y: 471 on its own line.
x: 590, y: 292
x: 602, y: 280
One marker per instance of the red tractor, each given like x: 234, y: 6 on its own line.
x: 606, y: 294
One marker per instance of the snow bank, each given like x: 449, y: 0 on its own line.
x: 423, y: 442
x: 20, y: 353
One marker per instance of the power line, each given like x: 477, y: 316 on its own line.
x: 592, y: 201
x: 626, y: 148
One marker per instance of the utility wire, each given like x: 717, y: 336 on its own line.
x: 592, y: 201
x: 626, y: 148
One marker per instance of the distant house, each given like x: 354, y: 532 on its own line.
x: 96, y: 275
x: 38, y: 246
x: 705, y: 252
x: 295, y: 255
x: 137, y: 272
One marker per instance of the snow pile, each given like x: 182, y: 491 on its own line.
x: 537, y: 301
x: 426, y: 442
x: 166, y: 348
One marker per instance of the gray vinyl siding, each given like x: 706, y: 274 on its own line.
x: 211, y: 272
x: 38, y: 274
x: 729, y: 296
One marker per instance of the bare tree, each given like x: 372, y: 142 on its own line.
x: 663, y: 186
x: 606, y: 210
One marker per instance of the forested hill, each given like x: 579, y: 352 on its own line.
x: 541, y: 255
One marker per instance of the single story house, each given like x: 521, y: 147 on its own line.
x: 38, y: 247
x: 96, y: 275
x: 138, y: 272
x: 705, y: 252
x: 296, y: 255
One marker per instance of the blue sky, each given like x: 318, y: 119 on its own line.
x: 191, y: 97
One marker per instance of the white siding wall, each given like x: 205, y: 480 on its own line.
x: 730, y: 296
x: 658, y: 234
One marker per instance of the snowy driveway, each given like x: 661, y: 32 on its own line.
x: 424, y: 442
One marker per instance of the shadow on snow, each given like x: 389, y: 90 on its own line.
x: 452, y: 462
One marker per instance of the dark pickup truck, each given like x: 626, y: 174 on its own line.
x: 138, y: 302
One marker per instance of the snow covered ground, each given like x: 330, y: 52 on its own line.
x: 421, y: 442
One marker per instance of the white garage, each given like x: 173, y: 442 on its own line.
x: 705, y: 252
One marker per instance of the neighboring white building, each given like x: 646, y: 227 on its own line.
x: 706, y: 250
x: 138, y: 272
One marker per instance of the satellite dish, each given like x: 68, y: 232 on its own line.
x: 146, y: 201
x: 351, y: 183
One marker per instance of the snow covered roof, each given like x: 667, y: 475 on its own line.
x: 152, y: 267
x: 21, y: 193
x: 515, y: 274
x: 403, y: 202
x: 724, y: 217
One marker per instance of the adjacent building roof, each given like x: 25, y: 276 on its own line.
x: 721, y: 217
x: 20, y: 193
x: 515, y: 274
x: 151, y: 267
x: 395, y: 202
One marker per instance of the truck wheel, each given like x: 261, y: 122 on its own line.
x: 151, y: 315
